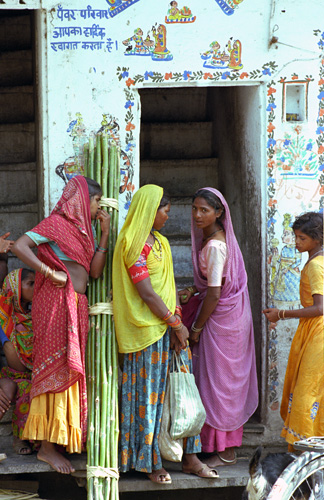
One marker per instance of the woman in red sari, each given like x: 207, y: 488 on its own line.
x: 66, y: 257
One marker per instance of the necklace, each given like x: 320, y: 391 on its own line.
x: 217, y: 231
x: 158, y: 257
x: 314, y: 255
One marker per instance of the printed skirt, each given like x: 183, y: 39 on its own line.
x: 21, y: 399
x: 142, y: 395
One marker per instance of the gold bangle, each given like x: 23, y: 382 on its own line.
x: 42, y: 268
x: 279, y: 311
x: 177, y: 327
x: 283, y: 314
x: 196, y: 330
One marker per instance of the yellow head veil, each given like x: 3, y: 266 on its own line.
x: 136, y: 326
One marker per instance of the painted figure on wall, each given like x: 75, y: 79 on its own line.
x: 156, y: 48
x: 136, y: 45
x: 176, y: 15
x: 160, y: 49
x: 286, y: 284
x: 235, y: 55
x: 228, y: 6
x: 229, y: 58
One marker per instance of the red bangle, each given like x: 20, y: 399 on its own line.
x: 175, y: 323
x: 178, y: 311
x: 167, y: 316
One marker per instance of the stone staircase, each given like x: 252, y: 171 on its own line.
x: 177, y: 153
x: 18, y: 179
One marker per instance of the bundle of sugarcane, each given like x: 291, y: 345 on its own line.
x: 101, y: 159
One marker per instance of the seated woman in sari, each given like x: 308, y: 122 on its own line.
x: 16, y: 336
x: 148, y: 325
x: 66, y: 256
x: 221, y: 328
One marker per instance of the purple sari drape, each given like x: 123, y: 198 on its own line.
x: 224, y: 358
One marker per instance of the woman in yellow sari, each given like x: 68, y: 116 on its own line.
x: 148, y: 324
x: 302, y: 406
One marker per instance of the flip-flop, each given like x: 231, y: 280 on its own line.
x: 203, y: 472
x: 19, y: 445
x: 155, y: 476
x: 227, y: 462
x: 3, y: 456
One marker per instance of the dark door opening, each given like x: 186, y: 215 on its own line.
x: 208, y: 136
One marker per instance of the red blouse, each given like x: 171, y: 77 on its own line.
x: 139, y: 271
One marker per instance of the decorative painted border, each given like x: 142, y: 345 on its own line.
x: 320, y: 117
x: 123, y: 74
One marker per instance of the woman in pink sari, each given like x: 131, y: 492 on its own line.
x: 65, y: 258
x: 222, y: 330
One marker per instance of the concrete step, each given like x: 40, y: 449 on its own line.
x: 16, y: 68
x: 168, y: 104
x: 176, y: 140
x: 180, y: 177
x: 15, y: 32
x: 18, y: 185
x: 17, y: 142
x: 17, y: 104
x: 181, y: 254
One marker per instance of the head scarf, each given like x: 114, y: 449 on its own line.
x: 15, y: 322
x: 235, y: 269
x: 69, y: 224
x: 136, y: 326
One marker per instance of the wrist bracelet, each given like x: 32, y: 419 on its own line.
x: 279, y: 311
x: 174, y: 324
x: 191, y: 289
x: 167, y: 316
x: 178, y: 311
x: 102, y: 249
x: 196, y: 330
x: 178, y: 327
x: 283, y: 314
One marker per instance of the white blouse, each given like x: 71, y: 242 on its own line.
x: 212, y: 260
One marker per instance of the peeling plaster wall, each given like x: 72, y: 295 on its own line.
x: 79, y: 86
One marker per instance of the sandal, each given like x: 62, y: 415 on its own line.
x: 156, y: 476
x: 205, y: 472
x: 3, y: 456
x: 22, y: 447
x: 227, y: 462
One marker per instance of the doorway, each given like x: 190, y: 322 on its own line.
x: 196, y: 137
x: 19, y: 172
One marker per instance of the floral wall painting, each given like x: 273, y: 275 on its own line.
x: 117, y: 6
x: 176, y: 15
x: 228, y: 6
x: 228, y: 58
x: 285, y: 268
x: 154, y: 47
x: 296, y: 156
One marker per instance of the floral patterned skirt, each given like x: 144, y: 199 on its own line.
x: 21, y: 400
x: 142, y: 395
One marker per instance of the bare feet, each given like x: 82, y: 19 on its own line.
x: 47, y: 453
x: 160, y: 476
x: 21, y: 447
x: 192, y: 465
x: 226, y: 457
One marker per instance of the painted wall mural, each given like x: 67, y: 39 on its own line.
x: 74, y: 165
x: 155, y: 48
x: 176, y: 15
x: 228, y: 58
x: 320, y: 118
x: 228, y: 6
x: 117, y: 6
